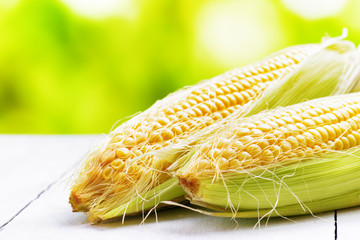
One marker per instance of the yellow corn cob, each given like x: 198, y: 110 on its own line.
x: 126, y: 154
x: 134, y: 158
x: 294, y: 160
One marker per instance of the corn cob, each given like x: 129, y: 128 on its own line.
x: 295, y: 160
x: 133, y: 159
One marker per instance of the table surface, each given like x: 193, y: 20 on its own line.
x: 34, y: 176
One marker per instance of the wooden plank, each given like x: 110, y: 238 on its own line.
x: 50, y: 216
x: 348, y: 222
x: 29, y: 163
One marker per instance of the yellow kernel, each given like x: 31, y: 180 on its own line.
x: 304, y: 115
x: 324, y: 134
x: 254, y: 150
x: 352, y: 139
x: 122, y: 152
x: 239, y: 98
x: 139, y: 137
x: 288, y: 120
x: 332, y: 117
x: 278, y: 133
x: 301, y: 140
x: 232, y: 88
x: 357, y: 120
x: 197, y: 111
x: 211, y: 105
x: 198, y: 99
x: 256, y: 132
x: 251, y: 93
x: 325, y: 119
x: 246, y: 95
x: 248, y: 125
x: 169, y: 111
x: 276, y: 150
x: 225, y: 101
x: 176, y: 130
x: 337, y: 129
x: 225, y: 113
x: 270, y: 138
x: 264, y: 127
x: 338, y: 144
x: 189, y: 103
x: 285, y: 146
x: 242, y: 132
x: 317, y: 136
x: 262, y: 143
x: 300, y: 126
x: 357, y: 137
x: 285, y: 131
x: 245, y: 82
x: 234, y: 164
x: 292, y: 129
x: 345, y: 113
x: 310, y: 142
x: 280, y: 122
x: 312, y: 113
x: 338, y: 115
x: 237, y: 145
x: 331, y: 132
x: 293, y: 142
x: 163, y: 121
x: 107, y: 172
x: 205, y: 96
x: 155, y: 137
x: 273, y: 124
x: 167, y: 134
x: 224, y: 143
x: 203, y: 164
x: 246, y: 139
x: 219, y: 104
x: 222, y: 163
x: 184, y: 127
x: 215, y: 153
x: 267, y: 155
x: 346, y: 143
x: 243, y: 156
x: 204, y: 109
x: 231, y: 99
x: 309, y: 123
x: 117, y: 138
x: 318, y: 121
x: 155, y: 125
x: 353, y: 124
x: 239, y: 86
x: 129, y: 142
x: 117, y: 164
x: 228, y: 153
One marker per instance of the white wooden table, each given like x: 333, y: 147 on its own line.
x: 34, y: 203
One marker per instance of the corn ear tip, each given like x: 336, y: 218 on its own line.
x: 77, y: 203
x: 190, y: 185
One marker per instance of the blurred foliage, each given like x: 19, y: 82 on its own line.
x: 63, y: 72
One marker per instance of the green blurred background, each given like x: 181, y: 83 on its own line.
x: 78, y: 66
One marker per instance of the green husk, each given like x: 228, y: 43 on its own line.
x: 331, y: 70
x: 306, y: 186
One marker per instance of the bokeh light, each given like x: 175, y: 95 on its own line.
x: 76, y: 66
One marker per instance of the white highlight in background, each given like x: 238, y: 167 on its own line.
x: 239, y: 32
x: 99, y: 9
x: 315, y: 9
